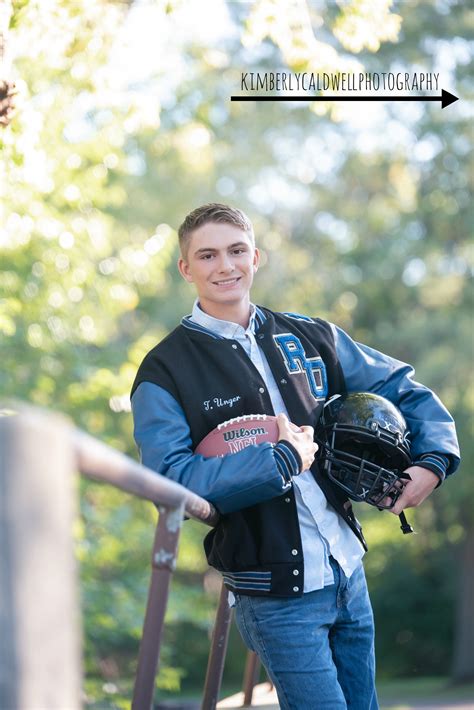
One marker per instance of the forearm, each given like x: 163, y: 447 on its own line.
x: 253, y: 475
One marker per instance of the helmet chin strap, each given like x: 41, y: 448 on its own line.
x: 405, y: 526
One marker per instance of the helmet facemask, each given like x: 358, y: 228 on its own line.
x: 367, y: 462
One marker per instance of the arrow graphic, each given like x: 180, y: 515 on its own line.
x: 446, y: 98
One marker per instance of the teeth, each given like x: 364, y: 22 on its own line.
x: 229, y: 281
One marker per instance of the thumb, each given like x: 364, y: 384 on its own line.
x: 283, y: 425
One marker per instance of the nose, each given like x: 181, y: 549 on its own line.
x: 225, y: 263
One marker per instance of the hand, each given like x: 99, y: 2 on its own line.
x: 302, y: 438
x: 422, y: 482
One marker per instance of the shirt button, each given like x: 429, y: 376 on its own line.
x: 294, y: 552
x: 261, y: 336
x: 287, y: 500
x: 234, y: 346
x: 296, y: 572
x: 283, y: 381
x: 296, y: 589
x: 261, y: 390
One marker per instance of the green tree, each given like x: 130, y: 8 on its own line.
x: 367, y: 227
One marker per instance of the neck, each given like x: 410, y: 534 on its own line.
x: 233, y: 312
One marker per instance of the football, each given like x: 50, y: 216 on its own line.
x: 235, y: 434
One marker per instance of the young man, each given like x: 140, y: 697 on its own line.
x: 288, y: 544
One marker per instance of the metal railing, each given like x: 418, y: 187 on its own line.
x: 41, y: 451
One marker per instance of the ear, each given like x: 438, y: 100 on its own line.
x: 256, y: 259
x: 184, y: 270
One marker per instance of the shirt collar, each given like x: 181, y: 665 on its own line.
x: 224, y: 328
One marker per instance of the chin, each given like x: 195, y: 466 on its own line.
x: 235, y: 294
x: 229, y: 298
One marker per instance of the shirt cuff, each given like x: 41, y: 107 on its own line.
x: 437, y: 463
x: 287, y: 459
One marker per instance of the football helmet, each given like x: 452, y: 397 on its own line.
x: 364, y: 447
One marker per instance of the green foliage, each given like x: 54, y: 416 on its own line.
x: 362, y: 217
x: 412, y: 583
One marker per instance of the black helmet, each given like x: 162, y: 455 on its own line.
x: 364, y: 447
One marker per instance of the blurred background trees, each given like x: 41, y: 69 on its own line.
x: 362, y: 211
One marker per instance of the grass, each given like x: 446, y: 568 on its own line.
x: 413, y: 691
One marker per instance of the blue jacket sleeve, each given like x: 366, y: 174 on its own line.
x: 367, y: 370
x: 164, y: 440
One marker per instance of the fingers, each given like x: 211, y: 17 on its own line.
x: 307, y: 458
x: 294, y: 427
x: 283, y: 426
x: 394, y: 490
x: 415, y: 488
x: 404, y: 500
x: 300, y: 437
x: 308, y: 431
x: 399, y: 506
x: 287, y: 430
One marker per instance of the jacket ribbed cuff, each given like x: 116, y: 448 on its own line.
x: 287, y: 459
x: 437, y: 463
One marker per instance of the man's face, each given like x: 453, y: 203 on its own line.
x: 221, y: 263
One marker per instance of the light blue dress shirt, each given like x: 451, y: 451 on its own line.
x: 323, y: 531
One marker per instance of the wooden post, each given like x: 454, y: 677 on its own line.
x: 40, y: 649
x: 217, y: 654
x: 165, y: 550
x: 251, y: 673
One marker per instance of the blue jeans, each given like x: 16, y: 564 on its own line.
x: 318, y: 649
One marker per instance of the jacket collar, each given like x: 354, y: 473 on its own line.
x: 202, y: 322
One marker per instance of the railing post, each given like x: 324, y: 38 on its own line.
x: 165, y: 549
x: 251, y: 673
x: 220, y: 638
x: 40, y: 648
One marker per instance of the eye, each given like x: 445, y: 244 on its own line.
x: 206, y: 257
x: 240, y: 250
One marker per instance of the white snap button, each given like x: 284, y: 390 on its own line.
x: 294, y: 552
x: 287, y: 500
x: 296, y: 589
x: 261, y: 389
x: 234, y: 346
x: 296, y: 572
x: 283, y: 381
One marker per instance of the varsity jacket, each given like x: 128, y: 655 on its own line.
x: 209, y: 379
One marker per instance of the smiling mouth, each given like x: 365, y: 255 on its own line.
x: 227, y: 282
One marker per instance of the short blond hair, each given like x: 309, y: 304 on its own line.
x: 212, y: 212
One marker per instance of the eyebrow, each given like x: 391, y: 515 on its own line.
x: 231, y: 246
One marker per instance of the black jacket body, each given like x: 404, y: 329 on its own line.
x: 254, y: 547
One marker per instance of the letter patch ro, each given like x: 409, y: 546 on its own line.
x: 296, y: 361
